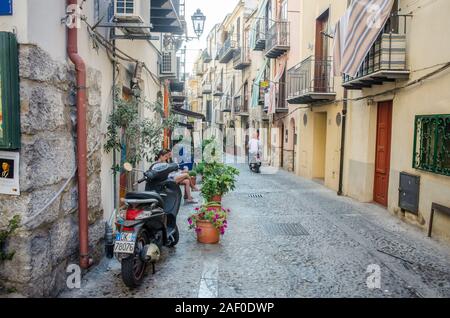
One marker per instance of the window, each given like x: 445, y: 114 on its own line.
x: 96, y: 10
x: 9, y: 93
x: 432, y: 144
x: 284, y: 11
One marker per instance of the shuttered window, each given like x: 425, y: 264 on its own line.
x: 9, y: 93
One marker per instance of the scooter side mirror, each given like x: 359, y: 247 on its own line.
x: 128, y: 166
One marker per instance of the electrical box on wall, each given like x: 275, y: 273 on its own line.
x: 6, y: 7
x: 9, y: 92
x: 409, y: 190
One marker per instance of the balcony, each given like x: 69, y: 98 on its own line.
x: 199, y: 69
x: 218, y: 90
x: 386, y: 60
x: 281, y: 105
x: 240, y: 106
x: 277, y: 42
x: 241, y: 59
x: 226, y: 53
x: 219, y: 117
x: 206, y: 89
x: 226, y: 104
x: 206, y: 57
x: 260, y: 43
x: 178, y: 97
x: 311, y: 81
x: 167, y: 16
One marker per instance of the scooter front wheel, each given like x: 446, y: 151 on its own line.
x: 133, y: 267
x: 175, y: 237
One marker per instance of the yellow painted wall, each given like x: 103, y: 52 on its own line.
x: 426, y: 47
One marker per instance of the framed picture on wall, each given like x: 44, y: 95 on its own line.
x: 9, y: 173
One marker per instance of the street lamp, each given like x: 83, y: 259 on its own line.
x: 198, y: 20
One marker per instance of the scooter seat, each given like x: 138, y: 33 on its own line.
x: 144, y: 196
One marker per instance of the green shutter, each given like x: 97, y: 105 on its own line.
x: 9, y: 92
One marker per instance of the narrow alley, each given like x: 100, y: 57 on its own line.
x: 290, y: 237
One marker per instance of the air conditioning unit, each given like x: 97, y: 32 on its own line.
x: 132, y: 11
x: 168, y: 65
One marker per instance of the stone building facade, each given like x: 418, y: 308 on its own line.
x: 48, y: 240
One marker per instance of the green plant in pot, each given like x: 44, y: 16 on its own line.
x: 219, y: 180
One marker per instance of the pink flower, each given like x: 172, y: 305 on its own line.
x: 197, y: 209
x: 198, y: 230
x: 190, y: 221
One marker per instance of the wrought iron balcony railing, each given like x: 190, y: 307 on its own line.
x: 277, y: 41
x: 207, y: 88
x: 226, y: 104
x: 241, y: 58
x: 218, y: 89
x: 281, y: 105
x: 311, y: 81
x: 240, y: 106
x: 227, y: 51
x: 386, y: 60
x: 260, y: 43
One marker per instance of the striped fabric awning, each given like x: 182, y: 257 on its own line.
x: 357, y: 31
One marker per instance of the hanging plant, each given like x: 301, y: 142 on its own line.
x: 142, y: 136
x: 13, y: 225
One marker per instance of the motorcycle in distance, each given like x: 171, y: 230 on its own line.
x: 254, y: 162
x: 148, y: 222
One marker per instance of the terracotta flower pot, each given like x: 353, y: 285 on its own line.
x: 216, y: 198
x: 207, y: 233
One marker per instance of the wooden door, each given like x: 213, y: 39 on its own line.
x: 383, y: 153
x: 321, y: 53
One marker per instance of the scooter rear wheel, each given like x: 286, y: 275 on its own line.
x: 133, y: 267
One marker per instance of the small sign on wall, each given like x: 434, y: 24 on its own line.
x: 6, y: 7
x: 9, y: 173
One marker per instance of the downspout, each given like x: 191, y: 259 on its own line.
x: 80, y: 67
x: 344, y: 124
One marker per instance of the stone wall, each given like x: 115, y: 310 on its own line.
x: 288, y: 160
x: 47, y: 242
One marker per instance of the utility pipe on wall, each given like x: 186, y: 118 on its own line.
x: 344, y: 126
x: 80, y: 67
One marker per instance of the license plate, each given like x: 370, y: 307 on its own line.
x: 125, y: 243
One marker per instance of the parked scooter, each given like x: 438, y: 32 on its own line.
x: 254, y: 162
x: 148, y: 223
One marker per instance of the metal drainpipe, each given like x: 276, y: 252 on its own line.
x: 344, y: 124
x: 80, y: 67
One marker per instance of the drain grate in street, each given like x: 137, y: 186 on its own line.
x: 291, y: 229
x: 255, y: 195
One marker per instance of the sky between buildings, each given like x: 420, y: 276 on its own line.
x: 215, y: 12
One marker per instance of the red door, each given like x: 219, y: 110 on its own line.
x: 383, y: 153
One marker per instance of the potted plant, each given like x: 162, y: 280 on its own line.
x: 193, y: 176
x: 209, y: 222
x: 200, y: 169
x: 219, y: 180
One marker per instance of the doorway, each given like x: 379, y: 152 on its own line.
x: 383, y: 153
x: 320, y: 145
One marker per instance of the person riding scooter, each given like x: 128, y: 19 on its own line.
x: 254, y: 149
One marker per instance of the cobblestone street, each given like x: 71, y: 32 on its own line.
x: 290, y: 237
